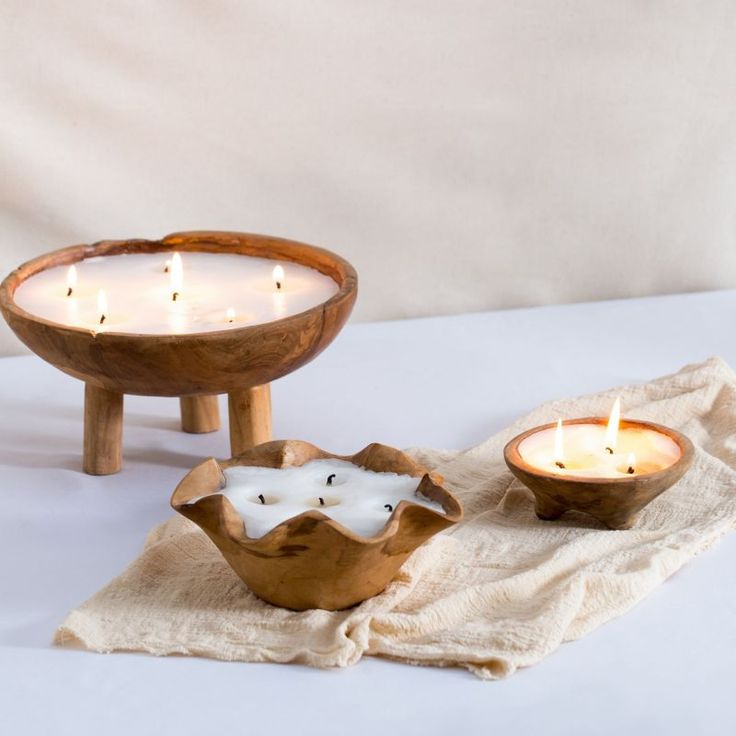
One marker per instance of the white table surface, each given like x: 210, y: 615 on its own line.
x: 669, y: 666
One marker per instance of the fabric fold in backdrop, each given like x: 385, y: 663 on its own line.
x: 500, y: 591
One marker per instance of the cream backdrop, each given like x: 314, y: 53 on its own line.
x: 464, y: 155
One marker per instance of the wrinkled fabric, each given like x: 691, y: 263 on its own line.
x: 500, y: 591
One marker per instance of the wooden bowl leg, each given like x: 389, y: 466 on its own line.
x: 547, y: 509
x: 249, y: 411
x: 103, y: 430
x: 199, y: 414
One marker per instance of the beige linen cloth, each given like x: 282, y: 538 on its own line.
x: 498, y: 592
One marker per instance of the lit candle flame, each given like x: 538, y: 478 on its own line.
x: 102, y: 305
x: 631, y: 463
x: 612, y: 428
x: 71, y: 280
x: 559, y: 454
x: 167, y: 265
x: 230, y: 314
x: 278, y: 276
x: 176, y: 273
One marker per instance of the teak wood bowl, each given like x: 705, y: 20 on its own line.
x: 615, y: 502
x: 310, y: 560
x: 196, y: 367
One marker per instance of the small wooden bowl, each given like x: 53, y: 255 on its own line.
x: 310, y: 560
x: 615, y: 502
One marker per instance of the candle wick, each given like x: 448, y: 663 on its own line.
x: 560, y: 464
x: 330, y: 478
x: 69, y: 291
x: 261, y: 498
x: 166, y: 269
x: 609, y: 450
x: 278, y: 284
x: 102, y: 318
x: 321, y: 501
x: 174, y: 296
x: 388, y: 507
x: 630, y: 471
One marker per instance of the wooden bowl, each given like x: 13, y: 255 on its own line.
x: 181, y: 365
x: 615, y: 502
x: 310, y: 560
x: 196, y: 367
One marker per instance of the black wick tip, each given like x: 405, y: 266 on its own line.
x: 388, y: 507
x: 261, y: 498
x: 102, y: 318
x: 609, y: 450
x: 174, y: 296
x: 321, y: 501
x: 630, y: 471
x: 330, y: 478
x: 278, y: 284
x: 560, y: 464
x: 69, y: 291
x: 166, y: 269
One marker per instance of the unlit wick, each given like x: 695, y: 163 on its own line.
x: 261, y: 498
x: 330, y: 478
x: 388, y: 507
x: 321, y: 501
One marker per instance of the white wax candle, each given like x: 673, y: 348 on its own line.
x: 359, y: 499
x: 215, y: 291
x: 584, y: 451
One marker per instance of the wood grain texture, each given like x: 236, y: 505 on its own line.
x: 184, y: 365
x: 249, y: 413
x: 103, y: 430
x: 311, y: 561
x: 199, y: 414
x: 615, y: 502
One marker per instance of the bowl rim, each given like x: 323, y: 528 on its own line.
x: 514, y: 459
x: 185, y: 495
x: 273, y: 248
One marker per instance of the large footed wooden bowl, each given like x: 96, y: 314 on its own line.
x: 196, y: 367
x: 310, y: 560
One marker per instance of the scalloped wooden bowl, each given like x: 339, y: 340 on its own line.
x: 310, y: 560
x: 615, y: 502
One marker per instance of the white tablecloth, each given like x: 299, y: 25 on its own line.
x: 668, y: 666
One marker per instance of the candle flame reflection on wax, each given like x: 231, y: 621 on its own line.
x: 612, y: 427
x: 101, y: 305
x: 559, y: 454
x: 71, y: 280
x: 176, y: 274
x: 278, y: 276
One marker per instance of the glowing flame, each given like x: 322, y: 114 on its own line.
x: 102, y: 305
x: 278, y: 276
x: 71, y: 280
x: 631, y: 462
x: 612, y: 428
x: 176, y: 274
x: 559, y: 453
x: 230, y: 314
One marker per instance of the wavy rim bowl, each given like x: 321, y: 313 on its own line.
x: 195, y: 363
x: 310, y: 560
x: 616, y: 502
